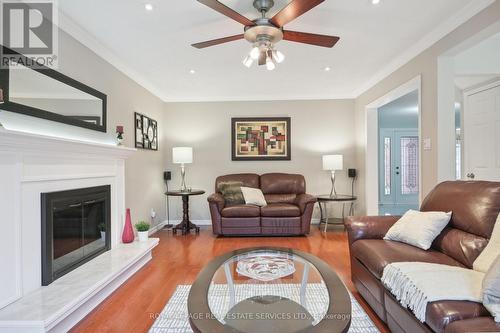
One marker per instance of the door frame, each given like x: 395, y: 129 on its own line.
x: 371, y: 143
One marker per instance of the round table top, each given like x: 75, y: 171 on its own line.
x: 180, y: 193
x: 338, y: 197
x: 252, y: 277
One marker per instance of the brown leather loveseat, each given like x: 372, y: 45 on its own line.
x: 288, y: 212
x: 475, y: 207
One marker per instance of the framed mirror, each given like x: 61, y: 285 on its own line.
x: 45, y: 93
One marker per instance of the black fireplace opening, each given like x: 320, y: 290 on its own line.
x: 76, y: 227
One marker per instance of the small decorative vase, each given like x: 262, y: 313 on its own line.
x: 119, y: 135
x: 103, y: 236
x: 128, y: 231
x: 143, y: 236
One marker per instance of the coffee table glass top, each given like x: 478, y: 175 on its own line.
x: 254, y: 291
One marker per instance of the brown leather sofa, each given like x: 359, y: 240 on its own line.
x: 475, y: 207
x: 288, y: 212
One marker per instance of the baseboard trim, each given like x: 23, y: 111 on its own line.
x: 161, y: 225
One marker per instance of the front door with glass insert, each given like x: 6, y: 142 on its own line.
x: 398, y: 171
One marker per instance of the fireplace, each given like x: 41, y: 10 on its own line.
x: 76, y: 227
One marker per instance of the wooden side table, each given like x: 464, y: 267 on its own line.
x: 323, y: 200
x: 186, y: 225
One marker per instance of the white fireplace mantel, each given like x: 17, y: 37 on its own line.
x: 43, y: 144
x: 32, y: 164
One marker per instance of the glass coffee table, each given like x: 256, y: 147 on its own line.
x: 272, y: 290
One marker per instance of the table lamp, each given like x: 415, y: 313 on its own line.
x: 182, y: 155
x: 333, y: 163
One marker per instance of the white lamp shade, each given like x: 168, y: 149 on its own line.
x: 333, y: 162
x: 182, y: 155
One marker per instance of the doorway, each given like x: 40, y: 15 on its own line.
x: 398, y: 155
x: 469, y: 109
x: 393, y: 140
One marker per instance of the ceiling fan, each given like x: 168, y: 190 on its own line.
x: 265, y: 32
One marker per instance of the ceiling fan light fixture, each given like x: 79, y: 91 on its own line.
x: 248, y: 61
x: 255, y: 52
x: 278, y: 56
x: 270, y: 65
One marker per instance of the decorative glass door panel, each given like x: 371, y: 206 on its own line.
x: 398, y: 171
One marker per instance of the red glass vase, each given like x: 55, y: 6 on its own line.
x: 128, y: 231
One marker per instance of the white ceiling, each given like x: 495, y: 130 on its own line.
x: 155, y: 46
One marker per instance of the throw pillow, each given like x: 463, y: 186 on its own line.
x: 231, y: 191
x: 254, y: 196
x: 490, y: 252
x: 418, y: 228
x: 491, y: 290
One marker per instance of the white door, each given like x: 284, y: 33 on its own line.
x: 482, y: 134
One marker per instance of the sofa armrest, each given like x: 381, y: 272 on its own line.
x: 303, y: 200
x: 216, y: 199
x: 368, y: 227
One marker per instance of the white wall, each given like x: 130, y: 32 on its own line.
x: 317, y: 128
x: 481, y: 59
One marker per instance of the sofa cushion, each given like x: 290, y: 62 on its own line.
x: 440, y: 314
x: 253, y: 196
x: 280, y: 210
x: 475, y: 206
x: 241, y: 211
x: 375, y: 254
x: 418, y: 228
x: 491, y: 290
x: 280, y: 198
x: 231, y: 191
x: 480, y: 324
x: 282, y: 183
x: 248, y: 180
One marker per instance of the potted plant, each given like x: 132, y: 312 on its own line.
x: 102, y: 229
x: 142, y: 231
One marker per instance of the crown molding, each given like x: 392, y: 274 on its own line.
x: 426, y: 42
x: 68, y: 25
x: 258, y: 98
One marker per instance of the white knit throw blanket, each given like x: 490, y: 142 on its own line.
x: 415, y: 284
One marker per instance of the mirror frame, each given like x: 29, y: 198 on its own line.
x: 46, y: 114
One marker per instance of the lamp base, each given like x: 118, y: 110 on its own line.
x: 183, y: 176
x: 333, y: 191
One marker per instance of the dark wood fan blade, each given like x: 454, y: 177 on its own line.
x: 262, y: 58
x: 217, y: 41
x: 307, y: 38
x: 224, y: 10
x: 293, y: 10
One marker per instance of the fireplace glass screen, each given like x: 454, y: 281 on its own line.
x: 75, y: 229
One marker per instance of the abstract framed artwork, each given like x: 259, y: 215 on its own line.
x: 146, y: 132
x: 260, y: 139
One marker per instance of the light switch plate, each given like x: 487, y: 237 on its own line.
x: 427, y: 144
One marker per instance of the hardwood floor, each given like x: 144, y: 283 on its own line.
x: 178, y: 260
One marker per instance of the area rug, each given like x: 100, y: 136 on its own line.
x: 174, y: 316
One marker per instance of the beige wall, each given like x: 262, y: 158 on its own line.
x: 426, y: 65
x: 317, y: 127
x: 143, y: 170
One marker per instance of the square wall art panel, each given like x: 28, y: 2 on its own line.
x: 260, y: 139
